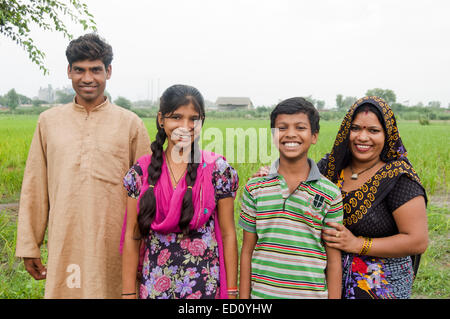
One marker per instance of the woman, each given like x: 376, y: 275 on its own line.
x: 181, y: 205
x: 384, y: 202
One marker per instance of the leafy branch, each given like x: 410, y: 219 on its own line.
x: 18, y: 17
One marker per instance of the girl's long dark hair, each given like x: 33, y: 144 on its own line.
x: 172, y: 98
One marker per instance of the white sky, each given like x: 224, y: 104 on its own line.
x: 267, y: 50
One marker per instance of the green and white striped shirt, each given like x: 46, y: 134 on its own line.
x: 289, y: 259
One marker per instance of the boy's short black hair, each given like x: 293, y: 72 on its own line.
x: 297, y: 105
x: 89, y: 47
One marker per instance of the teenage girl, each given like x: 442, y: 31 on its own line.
x: 180, y: 228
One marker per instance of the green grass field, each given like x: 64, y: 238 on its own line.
x: 428, y: 150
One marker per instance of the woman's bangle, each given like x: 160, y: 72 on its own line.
x: 130, y: 294
x: 362, y: 252
x: 366, y: 246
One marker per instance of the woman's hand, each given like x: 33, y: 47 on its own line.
x: 341, y: 238
x: 263, y: 171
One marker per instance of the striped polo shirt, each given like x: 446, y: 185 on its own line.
x: 289, y: 258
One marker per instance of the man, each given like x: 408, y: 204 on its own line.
x: 73, y: 182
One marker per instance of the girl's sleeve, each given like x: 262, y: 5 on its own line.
x: 225, y: 179
x: 133, y: 181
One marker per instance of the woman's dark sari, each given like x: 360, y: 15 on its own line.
x: 368, y: 209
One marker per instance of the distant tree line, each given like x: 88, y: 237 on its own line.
x: 147, y: 108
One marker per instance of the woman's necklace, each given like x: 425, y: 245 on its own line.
x: 355, y: 175
x: 171, y: 173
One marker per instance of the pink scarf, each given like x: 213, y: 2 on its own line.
x: 169, y: 202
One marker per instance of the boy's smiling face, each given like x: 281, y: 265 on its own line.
x: 294, y: 135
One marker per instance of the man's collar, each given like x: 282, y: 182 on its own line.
x: 314, y: 173
x: 79, y: 107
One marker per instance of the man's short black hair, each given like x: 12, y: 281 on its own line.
x: 89, y: 47
x: 297, y: 105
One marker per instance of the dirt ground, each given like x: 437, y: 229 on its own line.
x: 440, y: 200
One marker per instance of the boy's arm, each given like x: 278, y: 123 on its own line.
x: 248, y: 245
x: 334, y: 273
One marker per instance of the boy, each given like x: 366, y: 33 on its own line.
x: 283, y: 214
x: 72, y: 182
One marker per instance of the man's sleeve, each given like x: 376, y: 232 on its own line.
x: 34, y: 204
x: 247, y: 217
x: 140, y: 144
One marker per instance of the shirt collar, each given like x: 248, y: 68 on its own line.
x: 81, y: 108
x: 314, y: 173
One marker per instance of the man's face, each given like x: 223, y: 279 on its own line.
x: 89, y: 81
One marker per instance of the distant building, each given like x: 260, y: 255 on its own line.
x: 46, y: 94
x: 233, y: 103
x: 51, y: 95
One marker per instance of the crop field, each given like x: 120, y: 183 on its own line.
x: 242, y: 142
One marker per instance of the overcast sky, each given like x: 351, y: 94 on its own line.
x: 267, y: 50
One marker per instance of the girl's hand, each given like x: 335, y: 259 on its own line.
x: 341, y: 238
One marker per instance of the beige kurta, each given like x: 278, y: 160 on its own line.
x: 73, y: 185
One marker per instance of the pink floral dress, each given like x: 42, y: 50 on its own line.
x: 176, y: 266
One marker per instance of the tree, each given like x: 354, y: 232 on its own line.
x: 319, y: 104
x: 123, y: 102
x: 2, y: 100
x: 344, y: 103
x: 24, y: 99
x: 434, y: 104
x: 348, y: 101
x: 18, y: 17
x: 64, y: 97
x: 387, y: 95
x: 339, y: 101
x: 12, y: 99
x: 37, y: 102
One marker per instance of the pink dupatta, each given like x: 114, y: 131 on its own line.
x: 169, y: 201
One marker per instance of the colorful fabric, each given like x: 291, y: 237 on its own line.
x: 377, y: 278
x: 368, y: 209
x: 289, y: 259
x: 175, y: 266
x: 72, y: 185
